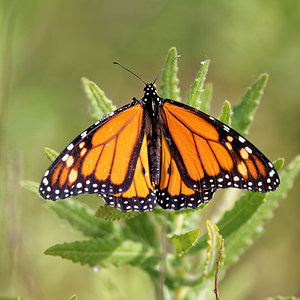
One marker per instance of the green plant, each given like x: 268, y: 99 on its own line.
x: 168, y: 245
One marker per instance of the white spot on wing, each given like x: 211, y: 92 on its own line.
x: 65, y: 157
x: 226, y: 128
x: 249, y: 150
x: 70, y: 147
x: 83, y: 134
x: 241, y: 139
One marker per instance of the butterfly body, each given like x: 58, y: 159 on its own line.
x: 157, y: 150
x: 151, y: 103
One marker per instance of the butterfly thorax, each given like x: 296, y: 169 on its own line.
x: 153, y: 125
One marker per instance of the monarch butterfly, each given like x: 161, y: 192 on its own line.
x: 156, y: 150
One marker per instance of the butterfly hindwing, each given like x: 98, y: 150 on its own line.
x: 140, y: 196
x: 101, y: 159
x: 211, y: 155
x: 172, y: 192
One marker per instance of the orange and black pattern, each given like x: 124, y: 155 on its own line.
x: 216, y: 155
x: 156, y: 150
x: 172, y: 191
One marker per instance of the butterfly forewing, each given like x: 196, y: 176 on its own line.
x: 211, y: 155
x: 100, y: 159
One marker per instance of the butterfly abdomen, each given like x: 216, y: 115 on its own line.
x: 153, y: 130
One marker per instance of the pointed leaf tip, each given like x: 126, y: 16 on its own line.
x: 278, y: 164
x: 31, y: 186
x: 51, y: 154
x: 169, y: 88
x: 100, y: 105
x: 184, y: 241
x: 226, y: 113
x: 243, y: 113
x: 194, y: 97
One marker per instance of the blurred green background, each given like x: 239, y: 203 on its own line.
x: 47, y: 46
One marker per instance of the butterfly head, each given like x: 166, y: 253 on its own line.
x: 150, y: 94
x: 150, y: 90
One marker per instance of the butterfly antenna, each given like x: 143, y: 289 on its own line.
x: 116, y: 63
x: 166, y: 68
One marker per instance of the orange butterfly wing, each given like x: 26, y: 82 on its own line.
x: 210, y: 155
x: 102, y: 159
x: 172, y: 191
x: 140, y: 196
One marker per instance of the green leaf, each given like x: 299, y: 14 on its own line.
x: 194, y: 96
x: 77, y: 214
x: 109, y: 213
x: 226, y: 113
x: 81, y: 218
x: 99, y: 103
x: 51, y: 154
x: 169, y: 88
x: 101, y: 252
x: 31, y: 186
x: 213, y: 250
x: 206, y: 97
x: 239, y: 232
x: 141, y: 228
x: 279, y: 163
x: 244, y: 112
x: 242, y: 238
x: 74, y: 297
x: 242, y: 211
x: 201, y: 280
x: 182, y: 220
x: 184, y: 241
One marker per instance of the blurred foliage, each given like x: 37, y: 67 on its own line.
x: 46, y: 47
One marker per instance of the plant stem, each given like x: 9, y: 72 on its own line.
x: 178, y: 222
x: 217, y: 271
x: 162, y: 271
